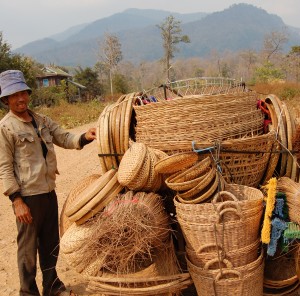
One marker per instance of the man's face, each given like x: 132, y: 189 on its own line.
x: 18, y: 102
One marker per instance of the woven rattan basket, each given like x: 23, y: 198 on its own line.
x: 237, y: 257
x: 243, y: 280
x: 176, y: 162
x: 281, y: 271
x: 231, y: 235
x: 197, y: 118
x: 132, y: 163
x: 247, y: 202
x: 243, y: 168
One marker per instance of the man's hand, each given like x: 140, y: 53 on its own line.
x: 90, y: 134
x: 22, y: 211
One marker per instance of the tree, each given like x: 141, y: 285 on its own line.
x: 4, y: 54
x: 89, y: 78
x: 171, y: 35
x: 273, y: 43
x: 268, y: 73
x: 111, y: 55
x: 293, y: 62
x: 9, y: 61
x: 249, y: 58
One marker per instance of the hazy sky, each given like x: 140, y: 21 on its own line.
x: 23, y: 21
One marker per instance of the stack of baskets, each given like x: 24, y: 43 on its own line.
x: 136, y: 170
x: 195, y: 183
x: 94, y: 198
x: 174, y: 125
x: 127, y: 248
x: 222, y: 241
x: 284, y: 123
x: 197, y: 118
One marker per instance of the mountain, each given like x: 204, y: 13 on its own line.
x: 241, y: 26
x: 67, y: 33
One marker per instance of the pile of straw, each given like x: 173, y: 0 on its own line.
x: 122, y: 238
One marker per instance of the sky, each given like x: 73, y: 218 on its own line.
x: 23, y: 21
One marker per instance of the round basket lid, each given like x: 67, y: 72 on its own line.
x: 131, y: 163
x: 176, y: 162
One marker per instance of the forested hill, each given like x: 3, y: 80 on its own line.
x: 239, y: 27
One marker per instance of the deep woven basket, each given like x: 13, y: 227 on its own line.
x: 231, y: 235
x: 237, y: 257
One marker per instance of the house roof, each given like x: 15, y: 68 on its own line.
x: 76, y: 84
x: 53, y: 71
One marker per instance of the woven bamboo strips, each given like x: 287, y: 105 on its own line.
x: 198, y: 118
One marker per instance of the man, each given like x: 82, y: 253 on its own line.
x: 28, y: 170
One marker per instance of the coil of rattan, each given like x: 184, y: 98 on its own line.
x: 64, y: 222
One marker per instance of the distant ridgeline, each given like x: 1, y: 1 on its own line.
x: 239, y: 27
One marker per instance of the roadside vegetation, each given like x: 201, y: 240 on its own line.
x: 269, y: 71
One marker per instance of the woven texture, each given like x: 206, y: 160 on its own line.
x: 197, y: 118
x: 246, y: 280
x: 281, y: 271
x: 176, y: 162
x: 132, y: 163
x: 113, y: 131
x: 64, y: 222
x: 244, y: 168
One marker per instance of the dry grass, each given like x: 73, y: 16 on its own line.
x: 283, y: 90
x: 72, y: 115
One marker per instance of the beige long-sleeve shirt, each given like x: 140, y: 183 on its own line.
x: 23, y: 168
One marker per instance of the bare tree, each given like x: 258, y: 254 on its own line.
x: 273, y: 43
x: 249, y: 58
x: 293, y: 62
x: 171, y: 35
x: 111, y: 55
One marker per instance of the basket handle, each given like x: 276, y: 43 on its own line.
x: 218, y: 195
x: 221, y: 214
x: 209, y: 263
x: 227, y: 272
x: 202, y: 248
x: 229, y: 204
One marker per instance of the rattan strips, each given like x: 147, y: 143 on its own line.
x: 136, y: 170
x: 176, y: 162
x: 88, y: 193
x: 131, y: 163
x: 113, y: 128
x: 199, y: 118
x: 93, y: 205
x: 64, y: 222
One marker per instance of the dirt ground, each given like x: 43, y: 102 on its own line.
x: 73, y: 165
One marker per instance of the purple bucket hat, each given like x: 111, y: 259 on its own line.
x: 12, y: 81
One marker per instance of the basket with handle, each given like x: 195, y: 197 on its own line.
x: 221, y: 278
x: 237, y: 257
x: 202, y: 215
x: 231, y: 235
x: 247, y: 197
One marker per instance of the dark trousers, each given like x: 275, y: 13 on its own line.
x: 42, y: 237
